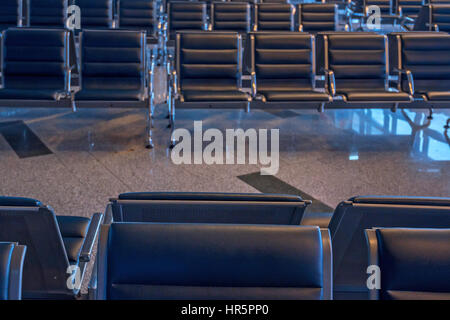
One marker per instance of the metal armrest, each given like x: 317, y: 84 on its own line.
x: 89, y: 240
x: 174, y: 80
x: 254, y: 88
x: 372, y: 244
x: 330, y: 81
x: 92, y: 286
x: 409, y: 77
x: 15, y: 275
x: 108, y: 215
x: 434, y: 27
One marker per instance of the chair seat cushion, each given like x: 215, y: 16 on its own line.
x: 215, y: 96
x: 24, y: 94
x: 73, y: 231
x: 373, y: 96
x: 296, y: 96
x: 438, y: 95
x: 109, y: 95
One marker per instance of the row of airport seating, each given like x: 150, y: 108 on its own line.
x: 284, y: 67
x: 232, y: 246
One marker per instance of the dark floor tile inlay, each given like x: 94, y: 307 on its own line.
x: 22, y: 140
x: 271, y: 184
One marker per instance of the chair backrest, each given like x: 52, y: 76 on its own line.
x: 427, y: 56
x: 46, y: 261
x: 36, y: 59
x: 213, y: 261
x: 386, y: 6
x: 138, y: 14
x: 11, y: 266
x: 186, y: 16
x: 274, y: 16
x: 208, y: 60
x: 359, y: 61
x: 47, y: 13
x: 410, y: 8
x: 113, y: 60
x: 10, y: 13
x: 234, y: 16
x: 317, y: 17
x: 414, y: 263
x: 283, y: 61
x: 394, y: 47
x: 352, y: 217
x: 95, y: 13
x: 440, y: 16
x: 193, y: 207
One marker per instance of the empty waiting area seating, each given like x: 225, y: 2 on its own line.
x: 36, y: 68
x: 113, y: 69
x: 185, y: 15
x: 95, y: 13
x: 209, y: 67
x: 318, y: 17
x: 409, y: 8
x: 138, y: 14
x: 235, y: 16
x: 424, y: 65
x: 434, y: 17
x: 414, y: 263
x: 12, y: 258
x: 274, y: 16
x: 198, y: 207
x: 54, y: 243
x: 357, y: 69
x: 11, y: 13
x: 212, y: 261
x: 48, y: 13
x: 352, y: 217
x: 283, y: 69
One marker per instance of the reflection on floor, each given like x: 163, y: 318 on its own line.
x: 95, y: 154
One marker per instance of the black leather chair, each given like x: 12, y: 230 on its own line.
x: 11, y: 12
x: 208, y: 72
x: 198, y: 207
x: 414, y: 263
x: 235, y: 16
x: 424, y: 67
x: 283, y: 69
x: 357, y: 70
x: 96, y: 14
x: 40, y: 75
x: 114, y: 71
x: 54, y: 243
x: 352, y: 217
x: 274, y: 16
x: 434, y: 17
x: 317, y: 17
x: 12, y: 257
x: 47, y: 13
x: 213, y: 261
x: 409, y: 8
x: 138, y: 15
x: 185, y: 16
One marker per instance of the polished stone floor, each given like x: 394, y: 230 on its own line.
x: 76, y: 161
